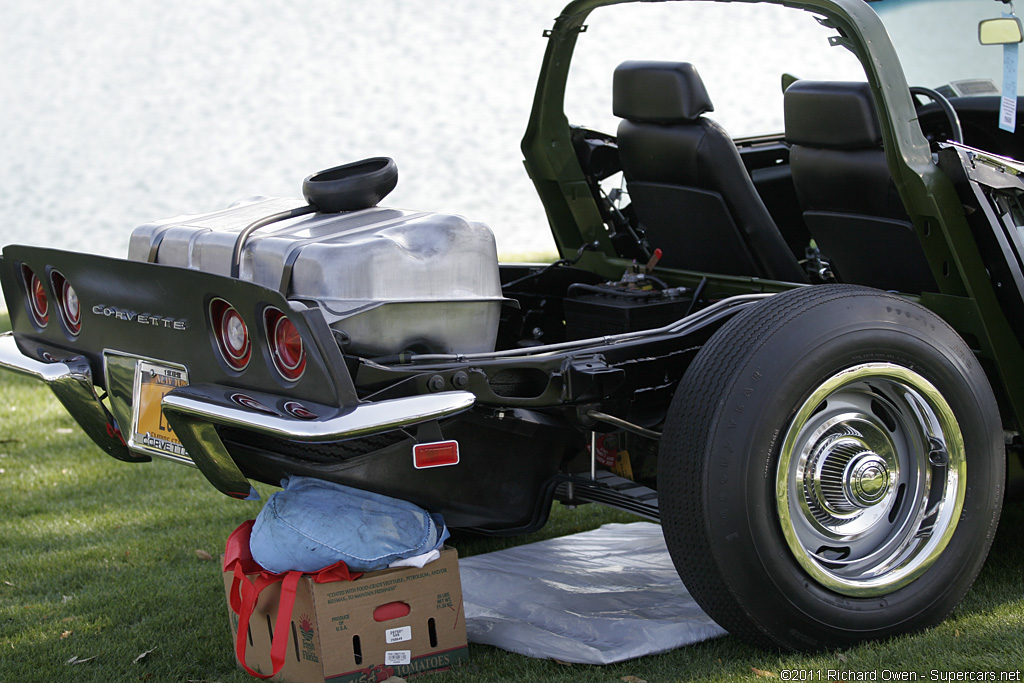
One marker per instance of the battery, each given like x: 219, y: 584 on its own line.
x: 597, y: 314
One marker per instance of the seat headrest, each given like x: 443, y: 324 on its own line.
x: 831, y: 115
x: 658, y: 92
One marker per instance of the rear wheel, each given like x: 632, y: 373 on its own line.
x: 831, y: 469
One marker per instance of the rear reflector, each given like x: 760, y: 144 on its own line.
x: 437, y: 454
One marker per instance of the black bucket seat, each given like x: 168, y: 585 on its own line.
x: 849, y: 199
x: 688, y: 185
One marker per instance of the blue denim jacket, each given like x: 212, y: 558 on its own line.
x: 312, y: 524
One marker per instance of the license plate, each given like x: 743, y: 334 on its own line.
x: 150, y: 429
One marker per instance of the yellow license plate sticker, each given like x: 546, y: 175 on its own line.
x: 151, y: 430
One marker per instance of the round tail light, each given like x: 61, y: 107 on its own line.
x: 231, y: 333
x: 37, y: 300
x: 68, y: 304
x: 285, y: 345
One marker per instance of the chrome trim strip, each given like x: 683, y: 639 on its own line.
x: 11, y: 358
x: 71, y: 382
x: 210, y: 405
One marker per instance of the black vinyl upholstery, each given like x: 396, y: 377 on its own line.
x: 688, y: 186
x: 849, y: 200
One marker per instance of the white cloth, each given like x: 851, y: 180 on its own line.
x: 417, y: 560
x: 597, y: 597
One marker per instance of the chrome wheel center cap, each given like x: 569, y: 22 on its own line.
x: 866, y: 479
x: 851, y: 476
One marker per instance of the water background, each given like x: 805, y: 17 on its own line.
x: 114, y: 113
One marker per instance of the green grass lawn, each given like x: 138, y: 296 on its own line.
x: 98, y: 565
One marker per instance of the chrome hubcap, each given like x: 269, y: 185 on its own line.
x: 869, y: 481
x: 865, y: 503
x: 848, y: 473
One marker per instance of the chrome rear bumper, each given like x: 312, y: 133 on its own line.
x: 195, y: 410
x: 71, y: 382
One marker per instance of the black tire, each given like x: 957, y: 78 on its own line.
x: 828, y: 412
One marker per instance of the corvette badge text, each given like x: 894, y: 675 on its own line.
x: 141, y: 318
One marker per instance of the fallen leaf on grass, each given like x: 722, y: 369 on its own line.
x: 142, y: 656
x: 76, y: 660
x: 65, y: 634
x: 8, y: 583
x: 841, y: 657
x: 203, y: 555
x: 632, y: 679
x: 763, y: 674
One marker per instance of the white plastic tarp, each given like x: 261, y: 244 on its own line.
x: 596, y: 597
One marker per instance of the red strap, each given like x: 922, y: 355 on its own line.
x: 279, y: 643
x: 279, y: 646
x: 236, y: 550
x: 248, y: 601
x: 338, y: 571
x: 244, y: 594
x: 238, y: 560
x: 239, y: 590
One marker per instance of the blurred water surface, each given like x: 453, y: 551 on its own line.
x: 118, y: 112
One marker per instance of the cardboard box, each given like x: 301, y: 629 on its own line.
x: 402, y: 622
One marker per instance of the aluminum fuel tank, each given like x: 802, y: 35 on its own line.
x: 387, y: 279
